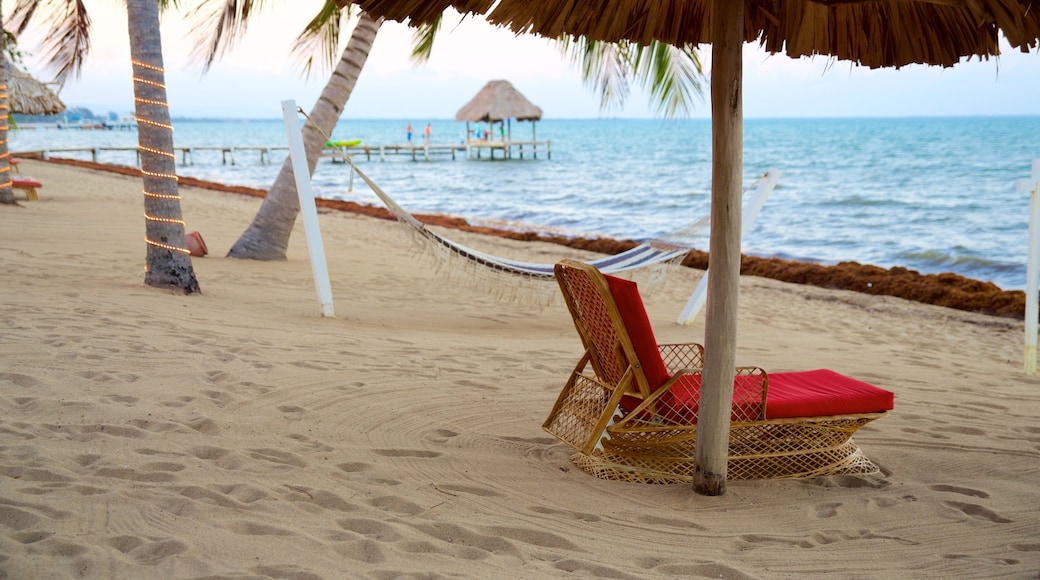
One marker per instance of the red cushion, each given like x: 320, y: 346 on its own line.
x: 818, y: 393
x: 633, y: 313
x: 821, y: 393
x: 25, y: 182
x: 683, y: 400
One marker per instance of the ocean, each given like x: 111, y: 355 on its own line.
x: 930, y: 194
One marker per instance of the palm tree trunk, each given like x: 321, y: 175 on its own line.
x: 267, y: 238
x: 6, y: 191
x: 167, y: 261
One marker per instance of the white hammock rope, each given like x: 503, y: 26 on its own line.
x: 669, y: 247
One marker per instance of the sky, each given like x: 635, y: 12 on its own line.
x: 260, y: 72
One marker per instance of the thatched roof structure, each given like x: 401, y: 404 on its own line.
x: 28, y: 96
x: 498, y: 101
x: 879, y: 33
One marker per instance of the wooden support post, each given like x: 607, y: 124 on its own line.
x: 727, y: 166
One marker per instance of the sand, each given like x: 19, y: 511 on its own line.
x: 238, y: 434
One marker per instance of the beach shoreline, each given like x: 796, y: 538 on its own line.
x: 237, y: 433
x: 949, y: 290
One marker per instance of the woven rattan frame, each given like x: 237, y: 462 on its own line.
x: 654, y: 441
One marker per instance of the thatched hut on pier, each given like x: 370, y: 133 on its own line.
x: 498, y: 103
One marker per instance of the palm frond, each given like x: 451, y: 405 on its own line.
x: 423, y: 38
x: 672, y: 75
x: 68, y: 37
x: 22, y: 14
x: 218, y: 28
x: 603, y: 66
x: 321, y: 37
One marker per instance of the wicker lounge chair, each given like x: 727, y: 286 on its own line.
x: 629, y: 408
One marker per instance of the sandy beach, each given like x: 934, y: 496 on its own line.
x: 238, y: 434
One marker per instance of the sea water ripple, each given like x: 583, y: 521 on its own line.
x: 930, y: 194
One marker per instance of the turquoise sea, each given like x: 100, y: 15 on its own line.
x: 930, y: 194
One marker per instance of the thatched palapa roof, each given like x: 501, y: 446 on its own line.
x: 498, y: 101
x: 28, y: 96
x: 876, y: 33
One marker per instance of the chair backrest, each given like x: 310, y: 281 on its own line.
x: 612, y: 322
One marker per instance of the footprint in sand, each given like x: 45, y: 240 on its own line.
x: 286, y: 571
x: 465, y: 543
x: 961, y: 490
x: 354, y: 467
x: 256, y: 529
x: 827, y: 510
x: 580, y: 516
x: 440, y: 435
x: 396, y: 505
x: 421, y: 453
x: 319, y: 497
x: 276, y: 456
x: 586, y: 568
x: 977, y: 512
x: 31, y: 537
x: 24, y: 381
x: 311, y: 445
x: 369, y: 528
x: 148, y: 553
x: 705, y: 570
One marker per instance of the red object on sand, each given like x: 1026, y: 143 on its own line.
x: 196, y: 245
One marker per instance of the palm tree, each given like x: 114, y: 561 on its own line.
x: 166, y: 257
x: 168, y: 263
x: 6, y: 191
x: 672, y: 74
x: 10, y: 54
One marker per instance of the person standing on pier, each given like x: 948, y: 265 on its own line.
x: 428, y: 131
x: 408, y: 131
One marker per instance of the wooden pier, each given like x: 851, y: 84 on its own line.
x: 227, y: 154
x: 509, y: 149
x: 473, y: 149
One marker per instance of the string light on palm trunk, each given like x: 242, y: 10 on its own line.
x: 141, y: 148
x: 4, y: 109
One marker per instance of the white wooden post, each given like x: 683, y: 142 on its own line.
x: 758, y: 199
x: 308, y: 210
x: 1032, y: 266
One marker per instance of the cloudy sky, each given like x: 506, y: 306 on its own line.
x: 259, y: 73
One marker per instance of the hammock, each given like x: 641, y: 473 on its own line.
x: 671, y: 247
x: 667, y: 248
